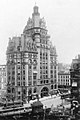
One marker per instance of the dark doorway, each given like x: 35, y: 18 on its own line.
x: 44, y: 92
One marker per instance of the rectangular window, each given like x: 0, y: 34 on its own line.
x: 23, y: 66
x: 43, y: 76
x: 19, y: 92
x: 29, y: 67
x: 54, y: 76
x: 47, y: 81
x: 34, y: 77
x: 13, y: 72
x: 18, y: 83
x: 24, y: 83
x: 51, y: 81
x: 18, y: 77
x: 46, y: 76
x: 51, y: 71
x: 40, y: 71
x: 46, y: 67
x: 41, y: 81
x: 34, y: 83
x: 18, y: 97
x: 23, y: 77
x: 51, y: 76
x: 40, y: 76
x: 34, y: 67
x: 18, y: 60
x: 13, y: 83
x: 29, y: 83
x: 29, y: 72
x: 46, y: 71
x: 18, y: 67
x: 29, y: 77
x: 18, y: 73
x: 24, y: 72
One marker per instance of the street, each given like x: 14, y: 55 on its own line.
x: 54, y: 101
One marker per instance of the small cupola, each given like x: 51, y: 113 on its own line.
x: 35, y: 10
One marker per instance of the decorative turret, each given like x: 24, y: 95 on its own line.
x: 35, y: 10
x: 35, y: 16
x: 35, y: 21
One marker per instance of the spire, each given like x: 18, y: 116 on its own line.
x: 35, y: 3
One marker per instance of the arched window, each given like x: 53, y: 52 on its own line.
x: 44, y: 91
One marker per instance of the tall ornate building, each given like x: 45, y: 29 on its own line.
x: 31, y: 60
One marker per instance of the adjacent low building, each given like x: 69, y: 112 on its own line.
x: 63, y: 80
x: 31, y: 61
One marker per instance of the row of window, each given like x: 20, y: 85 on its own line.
x: 43, y: 41
x: 43, y: 58
x: 47, y: 81
x: 61, y: 83
x: 43, y: 54
x: 44, y: 71
x: 43, y: 76
x: 2, y: 73
x: 30, y: 82
x: 64, y: 80
x: 67, y: 79
x: 44, y: 81
x: 22, y: 55
x: 63, y: 76
x: 34, y: 77
x: 20, y: 83
x: 44, y: 46
x: 20, y: 61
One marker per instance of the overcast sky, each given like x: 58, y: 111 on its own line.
x: 62, y: 20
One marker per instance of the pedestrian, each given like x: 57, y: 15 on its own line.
x: 52, y: 107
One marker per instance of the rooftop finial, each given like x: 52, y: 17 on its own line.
x: 35, y: 3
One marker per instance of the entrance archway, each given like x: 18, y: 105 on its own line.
x: 44, y: 91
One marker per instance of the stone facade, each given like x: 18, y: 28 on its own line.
x: 31, y: 60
